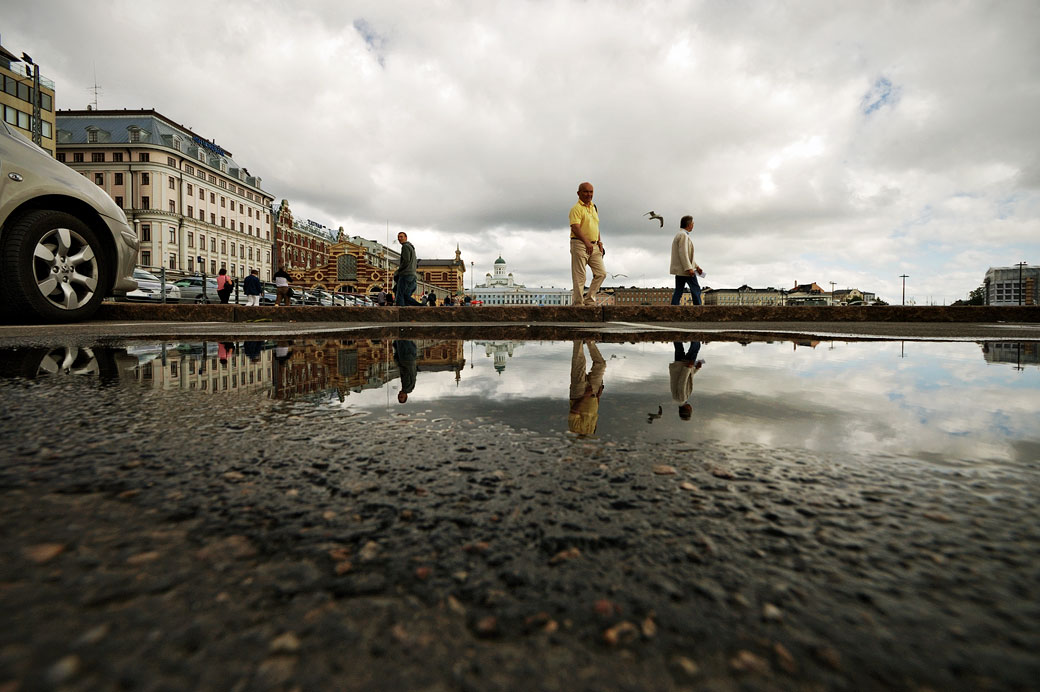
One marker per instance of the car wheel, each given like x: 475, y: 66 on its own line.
x: 201, y: 301
x: 53, y: 266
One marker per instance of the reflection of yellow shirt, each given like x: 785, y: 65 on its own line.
x: 587, y: 219
x: 584, y: 416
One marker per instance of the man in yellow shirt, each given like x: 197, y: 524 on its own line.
x: 586, y: 247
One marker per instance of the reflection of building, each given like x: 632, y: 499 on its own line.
x: 501, y: 288
x: 499, y: 351
x: 1017, y: 285
x: 16, y: 102
x: 1019, y: 353
x: 198, y: 367
x: 345, y: 366
x: 193, y: 206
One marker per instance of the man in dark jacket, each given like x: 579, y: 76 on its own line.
x: 405, y: 274
x: 253, y: 288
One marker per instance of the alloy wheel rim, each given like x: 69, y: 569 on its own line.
x: 65, y: 269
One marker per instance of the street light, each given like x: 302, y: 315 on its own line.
x: 832, y: 291
x: 37, y: 126
x: 904, y: 277
x: 1021, y: 288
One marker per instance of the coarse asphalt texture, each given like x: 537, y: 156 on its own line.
x: 156, y: 544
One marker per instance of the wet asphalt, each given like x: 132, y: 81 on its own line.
x: 177, y: 543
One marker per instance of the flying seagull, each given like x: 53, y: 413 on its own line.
x: 614, y: 276
x: 653, y: 216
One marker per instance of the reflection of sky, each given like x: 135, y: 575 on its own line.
x: 936, y: 401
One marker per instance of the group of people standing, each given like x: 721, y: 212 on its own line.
x: 251, y: 286
x: 587, y: 251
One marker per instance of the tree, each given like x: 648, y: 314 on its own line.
x: 978, y: 296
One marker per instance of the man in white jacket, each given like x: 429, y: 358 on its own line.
x: 683, y: 265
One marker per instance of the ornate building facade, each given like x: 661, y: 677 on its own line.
x: 300, y: 245
x: 195, y: 209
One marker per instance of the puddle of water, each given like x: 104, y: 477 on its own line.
x: 945, y: 403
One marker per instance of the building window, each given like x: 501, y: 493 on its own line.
x: 170, y: 161
x: 143, y: 156
x: 173, y: 206
x: 213, y: 266
x: 191, y: 211
x: 61, y: 156
x: 173, y: 183
x: 97, y: 157
x: 202, y: 194
x: 191, y: 189
x: 223, y: 200
x: 233, y: 254
x: 212, y: 179
x: 146, y: 202
x: 213, y: 219
x: 191, y: 264
x: 146, y: 233
x: 173, y: 261
x: 119, y: 179
x: 191, y: 239
x: 241, y: 250
x: 212, y: 244
x: 117, y: 156
x: 223, y: 247
x: 223, y: 221
x: 190, y: 170
x: 232, y: 224
x: 146, y: 258
x: 92, y: 136
x: 202, y: 241
x: 77, y: 157
x: 232, y: 205
x: 202, y: 216
x: 145, y: 178
x: 119, y: 201
x: 212, y: 198
x: 99, y: 178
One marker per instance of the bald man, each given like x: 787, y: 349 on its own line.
x: 586, y: 247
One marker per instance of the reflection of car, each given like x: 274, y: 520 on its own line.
x: 64, y: 244
x: 476, y: 302
x: 149, y: 288
x: 191, y: 290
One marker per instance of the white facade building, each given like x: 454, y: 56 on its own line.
x: 195, y: 209
x: 501, y: 288
x: 1016, y: 285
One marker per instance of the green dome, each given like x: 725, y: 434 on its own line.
x: 500, y: 260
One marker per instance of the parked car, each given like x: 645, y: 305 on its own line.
x: 191, y: 290
x: 149, y: 288
x: 64, y: 244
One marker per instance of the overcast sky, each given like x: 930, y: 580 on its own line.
x: 845, y: 142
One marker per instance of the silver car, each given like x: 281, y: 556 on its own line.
x: 64, y: 244
x: 150, y: 288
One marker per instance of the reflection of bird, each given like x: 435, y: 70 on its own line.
x: 614, y: 276
x: 653, y: 216
x: 651, y: 416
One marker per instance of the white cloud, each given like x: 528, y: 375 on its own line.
x: 812, y: 142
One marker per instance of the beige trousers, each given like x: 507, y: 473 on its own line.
x: 579, y: 258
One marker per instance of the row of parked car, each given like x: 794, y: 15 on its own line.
x: 190, y: 290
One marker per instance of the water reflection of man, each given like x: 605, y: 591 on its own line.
x: 681, y: 372
x: 252, y: 350
x: 406, y: 355
x: 586, y: 389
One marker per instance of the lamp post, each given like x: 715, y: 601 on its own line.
x: 832, y: 291
x: 904, y: 277
x: 1021, y: 287
x: 37, y: 126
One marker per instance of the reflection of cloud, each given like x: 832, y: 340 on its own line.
x: 931, y: 401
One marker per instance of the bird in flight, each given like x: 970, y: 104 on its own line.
x: 653, y: 216
x: 614, y: 276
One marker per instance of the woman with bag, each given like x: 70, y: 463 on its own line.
x: 224, y: 285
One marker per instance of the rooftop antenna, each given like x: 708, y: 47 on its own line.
x: 96, y: 88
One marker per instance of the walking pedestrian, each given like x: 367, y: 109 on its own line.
x: 224, y: 285
x: 282, y: 290
x: 683, y: 266
x: 586, y: 247
x: 405, y: 274
x: 252, y: 287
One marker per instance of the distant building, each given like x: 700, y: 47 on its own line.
x: 445, y: 274
x: 808, y: 294
x: 300, y: 245
x: 629, y: 297
x: 745, y: 295
x: 193, y: 206
x: 1015, y: 285
x: 501, y: 288
x: 16, y: 102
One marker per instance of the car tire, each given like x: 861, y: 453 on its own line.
x: 201, y: 301
x: 54, y: 267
